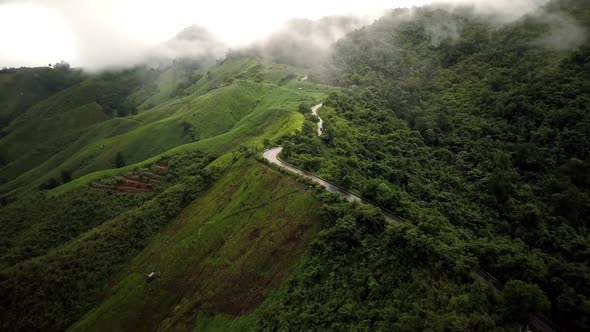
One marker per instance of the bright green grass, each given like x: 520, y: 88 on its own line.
x: 242, y: 112
x: 143, y: 142
x: 225, y: 253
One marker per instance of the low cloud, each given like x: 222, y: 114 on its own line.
x: 564, y: 32
x: 503, y: 11
x: 304, y: 42
x: 118, y: 33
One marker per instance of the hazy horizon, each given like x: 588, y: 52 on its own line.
x: 109, y: 33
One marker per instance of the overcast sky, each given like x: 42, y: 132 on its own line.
x: 95, y: 33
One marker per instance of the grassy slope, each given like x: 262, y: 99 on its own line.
x: 226, y: 107
x: 225, y: 253
x: 57, y: 122
x: 246, y: 234
x: 24, y: 87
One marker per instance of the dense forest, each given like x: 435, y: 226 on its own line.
x: 478, y: 136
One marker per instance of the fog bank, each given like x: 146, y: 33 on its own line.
x: 118, y: 33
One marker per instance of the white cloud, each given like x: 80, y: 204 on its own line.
x: 118, y: 32
x: 28, y: 30
x: 103, y: 33
x: 506, y: 10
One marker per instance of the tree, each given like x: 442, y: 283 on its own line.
x: 50, y: 184
x: 523, y: 299
x: 62, y: 65
x: 119, y: 162
x: 500, y: 185
x: 304, y: 108
x: 66, y: 176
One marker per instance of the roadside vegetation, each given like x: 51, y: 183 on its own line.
x: 481, y: 142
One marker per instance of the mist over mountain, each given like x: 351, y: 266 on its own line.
x: 310, y: 43
x: 194, y: 42
x: 304, y: 42
x: 111, y: 34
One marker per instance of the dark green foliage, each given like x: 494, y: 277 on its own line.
x: 523, y: 299
x: 50, y: 184
x: 361, y: 277
x: 35, y: 224
x: 486, y: 132
x: 114, y: 90
x: 66, y: 176
x: 189, y: 131
x: 305, y: 107
x: 119, y: 161
x: 23, y: 87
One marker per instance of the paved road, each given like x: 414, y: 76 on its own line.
x: 540, y: 322
x: 272, y: 156
x: 314, y: 111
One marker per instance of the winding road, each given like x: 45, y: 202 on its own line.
x: 272, y: 156
x: 540, y: 322
x: 314, y: 111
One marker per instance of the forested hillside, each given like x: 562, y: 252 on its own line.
x: 476, y: 133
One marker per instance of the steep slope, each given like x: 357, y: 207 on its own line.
x: 224, y: 254
x: 21, y: 88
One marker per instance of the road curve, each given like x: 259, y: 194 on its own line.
x: 272, y: 156
x: 538, y: 321
x: 314, y: 111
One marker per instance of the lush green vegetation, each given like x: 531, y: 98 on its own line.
x: 364, y: 276
x: 481, y: 138
x: 63, y: 250
x: 23, y: 87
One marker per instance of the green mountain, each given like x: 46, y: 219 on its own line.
x: 24, y: 87
x: 478, y: 135
x: 474, y: 132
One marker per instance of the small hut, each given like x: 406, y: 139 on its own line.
x: 152, y: 276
